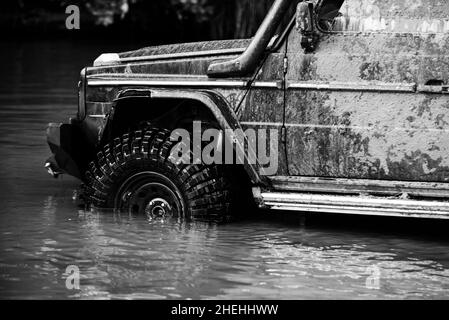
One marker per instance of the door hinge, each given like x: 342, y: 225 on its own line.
x: 285, y: 65
x: 433, y: 89
x: 283, y: 134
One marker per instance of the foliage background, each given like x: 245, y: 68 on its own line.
x: 150, y: 21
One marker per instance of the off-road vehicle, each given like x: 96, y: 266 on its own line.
x: 356, y: 90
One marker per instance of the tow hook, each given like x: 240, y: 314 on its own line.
x: 52, y: 171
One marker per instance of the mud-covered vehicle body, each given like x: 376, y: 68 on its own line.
x: 357, y: 91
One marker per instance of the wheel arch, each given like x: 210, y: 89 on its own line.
x: 131, y: 104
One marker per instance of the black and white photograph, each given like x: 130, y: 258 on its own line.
x: 226, y: 150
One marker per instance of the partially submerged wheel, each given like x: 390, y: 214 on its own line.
x: 150, y: 193
x: 136, y: 173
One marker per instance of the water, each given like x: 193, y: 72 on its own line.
x: 42, y: 230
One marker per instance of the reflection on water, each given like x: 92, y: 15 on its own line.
x: 42, y: 231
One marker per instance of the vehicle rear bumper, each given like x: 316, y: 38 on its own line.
x: 62, y: 140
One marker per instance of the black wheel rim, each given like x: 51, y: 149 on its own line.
x: 150, y: 193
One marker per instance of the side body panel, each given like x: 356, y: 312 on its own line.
x: 263, y: 109
x: 177, y: 77
x: 369, y: 106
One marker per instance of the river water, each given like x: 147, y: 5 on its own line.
x: 43, y: 230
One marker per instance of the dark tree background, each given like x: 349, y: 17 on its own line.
x: 150, y: 21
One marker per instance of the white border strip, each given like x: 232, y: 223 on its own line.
x: 336, y: 127
x: 179, y: 83
x: 348, y: 86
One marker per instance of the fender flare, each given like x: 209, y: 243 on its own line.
x: 216, y: 104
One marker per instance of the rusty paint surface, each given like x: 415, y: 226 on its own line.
x: 365, y: 134
x: 420, y: 16
x: 264, y: 108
